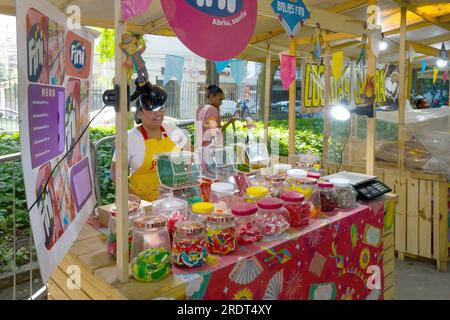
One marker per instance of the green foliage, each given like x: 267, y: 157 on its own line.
x: 106, y: 46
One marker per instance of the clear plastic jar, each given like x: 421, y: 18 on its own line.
x: 191, y: 202
x: 299, y: 210
x: 276, y: 185
x: 247, y: 228
x: 221, y: 233
x: 255, y: 193
x: 151, y: 249
x: 222, y: 196
x: 189, y: 246
x: 281, y: 169
x: 135, y: 211
x: 324, y: 199
x: 305, y: 186
x: 346, y: 194
x: 201, y: 211
x: 272, y: 217
x: 313, y: 175
x: 173, y: 209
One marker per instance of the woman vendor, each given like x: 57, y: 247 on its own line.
x: 151, y: 137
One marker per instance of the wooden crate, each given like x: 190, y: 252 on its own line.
x: 421, y: 227
x: 98, y: 276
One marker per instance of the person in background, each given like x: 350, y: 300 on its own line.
x: 208, y: 128
x: 144, y: 141
x: 421, y: 103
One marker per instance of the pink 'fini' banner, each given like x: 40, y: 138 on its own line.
x: 134, y: 8
x: 287, y: 70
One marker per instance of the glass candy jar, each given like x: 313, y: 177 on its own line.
x: 221, y: 233
x: 135, y: 211
x: 247, y: 228
x: 305, y: 186
x: 201, y: 211
x: 276, y: 185
x: 298, y: 209
x: 189, y: 246
x: 222, y: 196
x: 272, y: 217
x: 173, y: 209
x: 313, y: 175
x: 281, y: 169
x: 346, y: 194
x: 255, y: 193
x: 150, y: 249
x: 324, y: 199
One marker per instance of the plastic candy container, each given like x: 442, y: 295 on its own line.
x: 272, y: 217
x: 222, y: 196
x: 150, y: 233
x: 221, y: 233
x: 151, y: 265
x: 281, y: 169
x: 313, y: 175
x: 346, y: 194
x: 276, y: 185
x: 200, y: 211
x: 324, y: 198
x: 305, y: 186
x: 134, y: 212
x: 173, y: 208
x: 299, y: 210
x: 189, y: 247
x: 248, y: 230
x: 254, y: 194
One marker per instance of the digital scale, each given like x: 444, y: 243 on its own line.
x: 368, y: 187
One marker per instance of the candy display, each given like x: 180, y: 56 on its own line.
x: 151, y: 265
x: 299, y: 210
x: 135, y: 211
x: 276, y: 185
x: 324, y: 198
x: 313, y: 175
x: 346, y: 194
x: 272, y: 217
x: 189, y: 248
x: 281, y: 169
x: 305, y: 186
x: 242, y: 182
x: 252, y: 157
x: 221, y: 233
x: 248, y: 230
x: 174, y: 209
x: 222, y: 195
x: 178, y: 170
x: 253, y: 194
x: 201, y: 211
x: 218, y: 162
x: 150, y: 232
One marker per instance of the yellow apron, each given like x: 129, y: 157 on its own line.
x: 144, y: 181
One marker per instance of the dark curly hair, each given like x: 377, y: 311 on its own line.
x: 213, y: 90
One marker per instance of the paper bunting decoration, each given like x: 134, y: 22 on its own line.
x: 412, y: 54
x: 443, y: 54
x: 134, y: 8
x: 424, y: 66
x: 238, y: 71
x: 221, y: 65
x: 318, y: 42
x: 292, y: 15
x: 337, y: 62
x: 444, y: 76
x: 435, y: 73
x: 174, y: 68
x: 288, y: 70
x: 362, y: 53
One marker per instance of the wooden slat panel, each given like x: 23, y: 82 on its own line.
x: 412, y: 217
x: 97, y: 259
x: 388, y: 268
x: 388, y: 255
x: 88, y: 246
x: 389, y: 281
x: 425, y: 218
x: 88, y: 232
x: 60, y: 277
x: 436, y: 219
x: 56, y: 292
x: 400, y: 219
x: 443, y: 228
x: 49, y: 297
x: 389, y: 293
x: 388, y: 241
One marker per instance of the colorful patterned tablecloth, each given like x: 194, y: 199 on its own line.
x: 337, y: 257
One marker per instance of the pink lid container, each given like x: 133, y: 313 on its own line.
x: 244, y: 209
x: 292, y: 196
x: 324, y: 184
x: 313, y: 175
x: 270, y: 203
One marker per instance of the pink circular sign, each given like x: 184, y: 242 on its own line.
x: 217, y: 30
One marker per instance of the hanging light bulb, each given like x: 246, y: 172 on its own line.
x: 441, y: 63
x: 340, y: 113
x: 383, y: 45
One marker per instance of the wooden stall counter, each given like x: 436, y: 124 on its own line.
x: 328, y: 259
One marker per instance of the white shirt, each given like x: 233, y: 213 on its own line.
x: 136, y: 144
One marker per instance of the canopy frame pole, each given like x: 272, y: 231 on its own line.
x: 292, y: 111
x: 121, y: 78
x: 326, y: 111
x: 268, y: 90
x: 402, y: 93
